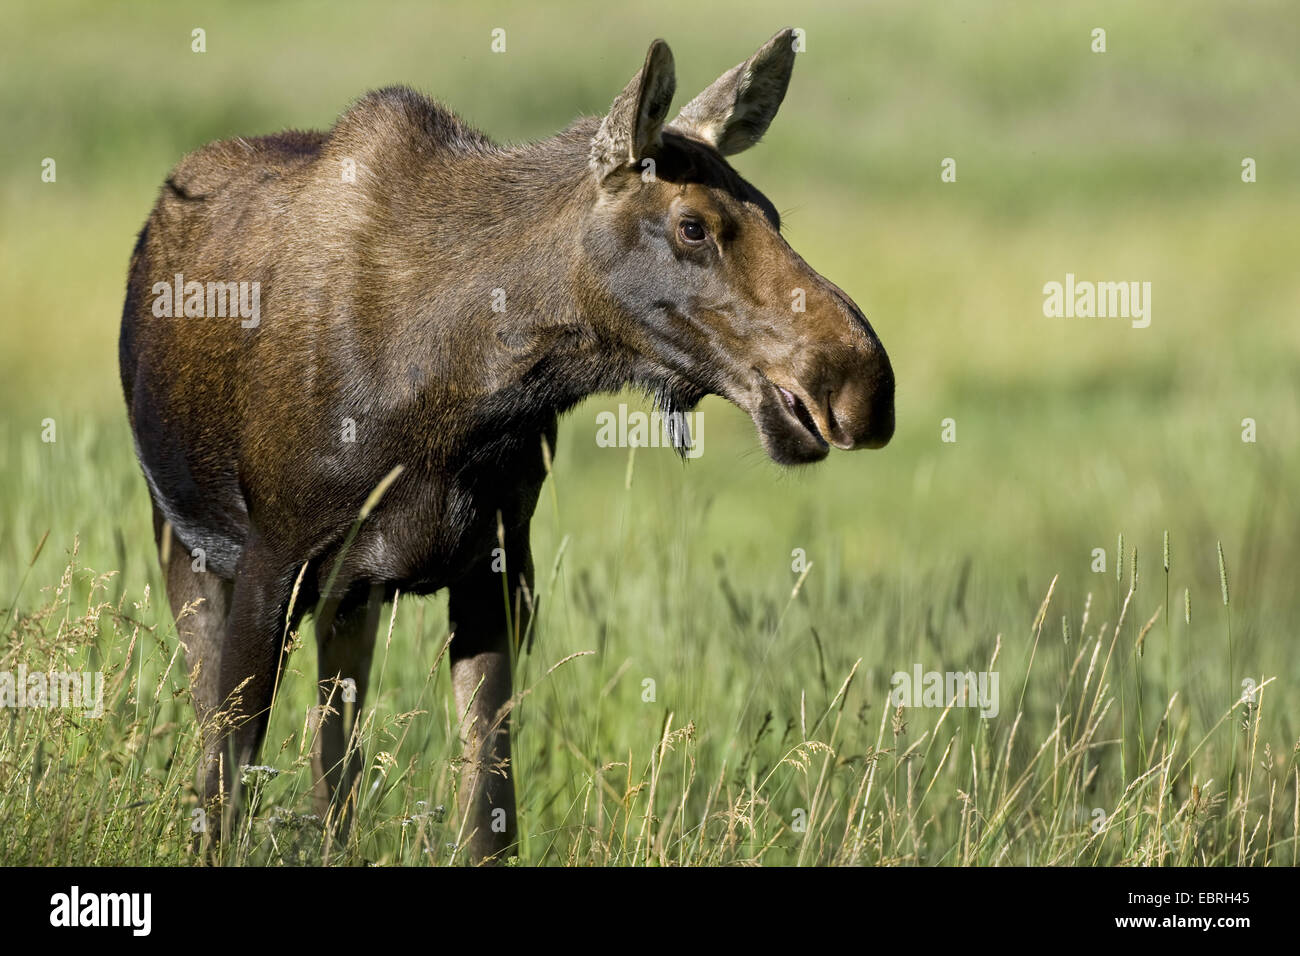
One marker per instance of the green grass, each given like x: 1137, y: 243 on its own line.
x: 769, y: 707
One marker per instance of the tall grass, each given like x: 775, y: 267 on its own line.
x: 828, y: 773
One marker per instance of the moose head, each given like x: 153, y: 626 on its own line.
x: 694, y: 277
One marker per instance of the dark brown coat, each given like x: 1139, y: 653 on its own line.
x: 430, y: 301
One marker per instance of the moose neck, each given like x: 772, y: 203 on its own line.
x: 510, y: 318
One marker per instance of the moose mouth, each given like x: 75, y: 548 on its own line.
x: 794, y: 404
x: 790, y: 433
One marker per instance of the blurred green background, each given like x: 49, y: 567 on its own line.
x: 1123, y: 165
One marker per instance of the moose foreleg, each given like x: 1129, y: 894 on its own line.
x: 487, y: 616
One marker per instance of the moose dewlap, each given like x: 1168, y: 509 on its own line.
x: 409, y: 307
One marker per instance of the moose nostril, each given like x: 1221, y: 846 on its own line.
x: 841, y: 431
x: 860, y: 415
x: 831, y: 422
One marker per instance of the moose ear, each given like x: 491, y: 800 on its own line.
x: 632, y: 126
x: 736, y: 110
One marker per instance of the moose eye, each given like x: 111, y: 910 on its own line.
x: 692, y: 231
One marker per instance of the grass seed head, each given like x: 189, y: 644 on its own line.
x: 1223, y: 575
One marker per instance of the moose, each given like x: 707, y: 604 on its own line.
x: 429, y: 303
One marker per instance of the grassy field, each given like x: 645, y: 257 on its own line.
x: 693, y: 696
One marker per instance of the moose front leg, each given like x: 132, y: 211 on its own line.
x: 484, y: 623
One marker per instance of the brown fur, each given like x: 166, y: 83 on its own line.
x: 376, y: 306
